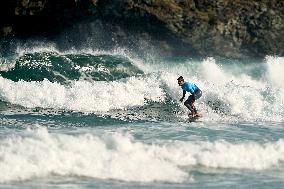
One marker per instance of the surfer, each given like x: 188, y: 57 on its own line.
x: 196, y: 93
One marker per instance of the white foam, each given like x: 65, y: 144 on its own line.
x: 118, y: 156
x: 275, y: 70
x: 82, y: 95
x: 212, y: 72
x: 222, y: 154
x: 106, y: 157
x: 6, y: 65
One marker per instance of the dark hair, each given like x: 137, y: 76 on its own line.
x: 180, y: 78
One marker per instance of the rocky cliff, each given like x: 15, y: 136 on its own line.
x: 227, y: 28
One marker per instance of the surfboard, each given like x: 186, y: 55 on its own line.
x: 195, y: 118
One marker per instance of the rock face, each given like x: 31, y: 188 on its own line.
x: 227, y: 28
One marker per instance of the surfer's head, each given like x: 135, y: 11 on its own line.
x: 180, y: 80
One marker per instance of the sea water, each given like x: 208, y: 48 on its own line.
x: 108, y: 119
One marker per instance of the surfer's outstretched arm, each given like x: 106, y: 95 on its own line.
x: 183, y: 95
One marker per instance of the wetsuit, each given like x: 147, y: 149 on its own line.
x: 196, y: 93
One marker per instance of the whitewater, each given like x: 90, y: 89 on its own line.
x: 111, y: 119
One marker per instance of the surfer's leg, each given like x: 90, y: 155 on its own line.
x: 197, y: 95
x: 194, y: 109
x: 189, y: 104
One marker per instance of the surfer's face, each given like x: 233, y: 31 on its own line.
x: 180, y: 82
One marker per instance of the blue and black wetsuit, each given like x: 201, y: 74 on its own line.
x: 196, y: 93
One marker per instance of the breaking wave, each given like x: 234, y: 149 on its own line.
x: 106, y: 81
x: 38, y: 153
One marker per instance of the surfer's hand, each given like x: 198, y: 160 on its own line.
x: 181, y: 99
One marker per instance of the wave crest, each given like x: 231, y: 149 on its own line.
x: 57, y: 67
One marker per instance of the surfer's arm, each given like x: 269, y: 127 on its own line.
x: 183, y: 95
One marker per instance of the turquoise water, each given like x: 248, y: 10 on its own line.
x: 92, y: 119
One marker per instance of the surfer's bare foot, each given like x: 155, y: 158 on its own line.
x: 190, y: 115
x: 196, y: 115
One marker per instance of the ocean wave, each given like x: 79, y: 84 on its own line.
x: 62, y: 67
x: 107, y: 81
x: 38, y: 153
x: 97, y: 96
